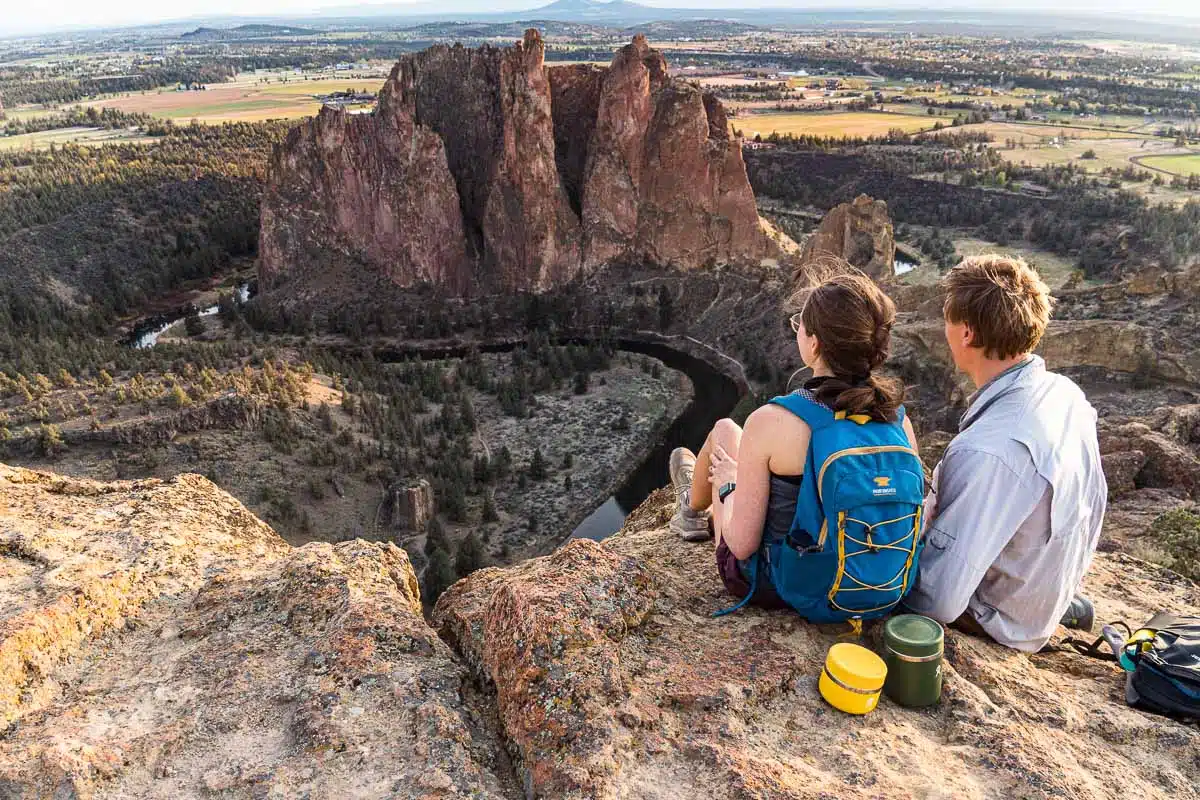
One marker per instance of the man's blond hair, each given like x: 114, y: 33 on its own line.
x: 1003, y: 300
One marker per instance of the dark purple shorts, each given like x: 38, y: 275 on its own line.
x: 737, y: 585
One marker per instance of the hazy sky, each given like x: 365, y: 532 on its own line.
x: 23, y: 16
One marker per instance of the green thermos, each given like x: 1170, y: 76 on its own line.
x: 913, y: 647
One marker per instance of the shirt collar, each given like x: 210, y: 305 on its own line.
x: 991, y: 391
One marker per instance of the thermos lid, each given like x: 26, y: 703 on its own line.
x: 913, y: 635
x: 855, y: 667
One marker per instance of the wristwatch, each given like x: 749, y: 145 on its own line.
x: 725, y: 491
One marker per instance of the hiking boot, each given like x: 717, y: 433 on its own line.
x: 691, y: 525
x: 1080, y: 616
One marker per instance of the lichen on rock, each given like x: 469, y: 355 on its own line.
x: 613, y: 680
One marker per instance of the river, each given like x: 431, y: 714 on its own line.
x: 714, y: 396
x: 146, y: 333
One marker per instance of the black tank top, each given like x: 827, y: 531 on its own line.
x: 785, y: 491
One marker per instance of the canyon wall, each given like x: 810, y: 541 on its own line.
x: 484, y: 169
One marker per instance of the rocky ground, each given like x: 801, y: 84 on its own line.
x: 158, y: 640
x: 602, y: 435
x: 612, y: 680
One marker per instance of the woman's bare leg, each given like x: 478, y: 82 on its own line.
x: 727, y: 434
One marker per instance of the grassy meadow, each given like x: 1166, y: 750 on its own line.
x: 836, y: 123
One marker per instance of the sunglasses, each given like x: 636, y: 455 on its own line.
x: 794, y: 321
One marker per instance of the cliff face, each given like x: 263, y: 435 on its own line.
x: 156, y: 640
x: 484, y: 168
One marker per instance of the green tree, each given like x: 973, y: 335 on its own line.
x: 193, y: 325
x: 504, y: 461
x: 435, y: 537
x: 489, y: 509
x: 470, y: 555
x: 537, y: 466
x: 666, y: 308
x: 439, y: 574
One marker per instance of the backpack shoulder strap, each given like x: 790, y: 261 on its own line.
x: 804, y: 405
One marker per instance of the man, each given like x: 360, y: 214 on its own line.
x: 1018, y: 499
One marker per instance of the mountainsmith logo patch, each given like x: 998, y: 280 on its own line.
x: 883, y: 487
x: 882, y: 482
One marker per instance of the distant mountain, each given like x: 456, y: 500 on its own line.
x: 621, y: 11
x: 466, y: 31
x: 252, y: 31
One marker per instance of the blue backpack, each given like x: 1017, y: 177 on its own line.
x: 853, y: 547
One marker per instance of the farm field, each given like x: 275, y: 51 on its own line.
x: 1180, y: 164
x: 1040, y: 145
x: 1054, y: 269
x: 836, y: 123
x: 85, y: 136
x: 1117, y: 153
x: 245, y: 100
x: 26, y: 113
x: 1035, y: 132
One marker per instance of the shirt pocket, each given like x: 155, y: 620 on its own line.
x: 937, y: 538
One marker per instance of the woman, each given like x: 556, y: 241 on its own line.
x: 843, y: 333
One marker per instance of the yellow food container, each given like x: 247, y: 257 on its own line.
x: 853, y: 678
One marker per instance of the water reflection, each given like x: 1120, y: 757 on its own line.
x: 150, y: 338
x: 603, y: 522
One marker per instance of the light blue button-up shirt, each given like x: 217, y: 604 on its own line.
x: 1015, y: 509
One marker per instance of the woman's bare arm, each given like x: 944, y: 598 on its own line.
x: 747, y: 507
x: 911, y: 433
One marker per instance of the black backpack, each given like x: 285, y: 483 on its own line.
x: 1166, y: 674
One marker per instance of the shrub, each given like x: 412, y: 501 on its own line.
x: 1177, y: 533
x: 50, y: 440
x: 178, y: 398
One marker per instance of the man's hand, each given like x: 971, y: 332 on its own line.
x: 722, y: 470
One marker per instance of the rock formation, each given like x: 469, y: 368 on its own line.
x: 156, y: 640
x: 411, y: 506
x: 859, y: 233
x: 484, y: 169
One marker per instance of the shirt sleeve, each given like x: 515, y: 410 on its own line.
x: 978, y: 504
